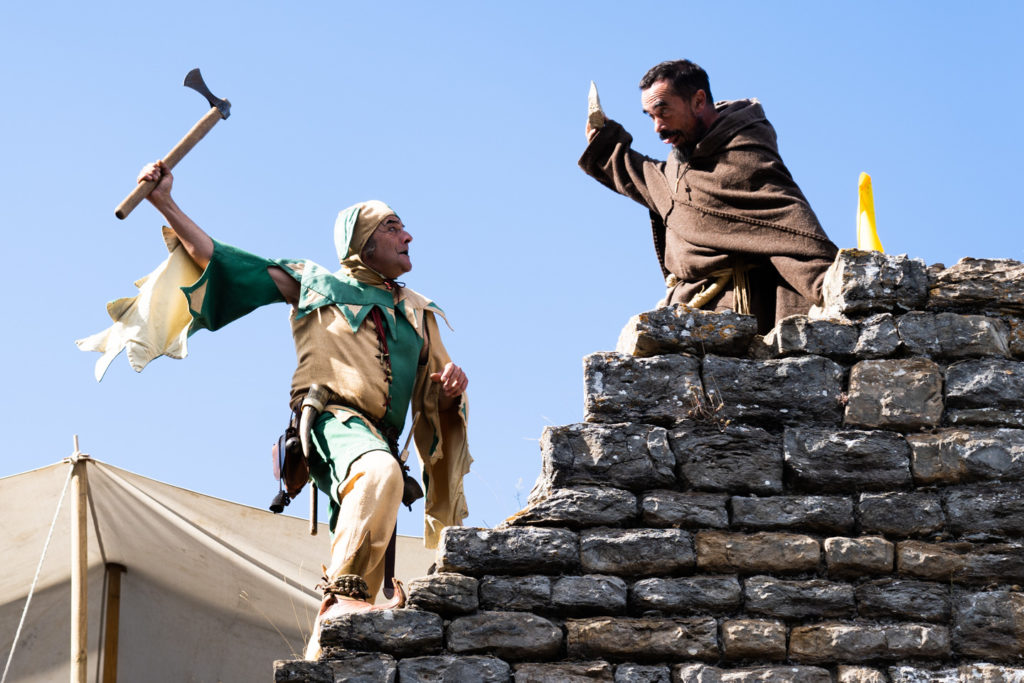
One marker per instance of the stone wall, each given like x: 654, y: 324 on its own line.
x: 837, y: 501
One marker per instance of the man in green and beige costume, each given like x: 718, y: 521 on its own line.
x: 374, y: 345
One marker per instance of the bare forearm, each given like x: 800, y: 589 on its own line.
x: 197, y: 243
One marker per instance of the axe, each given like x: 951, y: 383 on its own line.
x: 219, y: 109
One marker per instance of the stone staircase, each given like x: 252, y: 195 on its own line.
x: 837, y: 501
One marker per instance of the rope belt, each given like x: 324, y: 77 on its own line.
x: 740, y: 288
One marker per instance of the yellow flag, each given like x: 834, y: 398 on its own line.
x: 867, y: 235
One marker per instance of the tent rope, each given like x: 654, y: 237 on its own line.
x: 35, y: 580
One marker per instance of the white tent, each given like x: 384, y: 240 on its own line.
x: 210, y: 590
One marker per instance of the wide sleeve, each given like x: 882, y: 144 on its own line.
x: 153, y: 323
x: 441, y: 442
x: 233, y: 284
x: 611, y: 160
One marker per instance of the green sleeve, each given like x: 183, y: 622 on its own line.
x: 234, y: 283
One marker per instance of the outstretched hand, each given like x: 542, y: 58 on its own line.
x: 453, y: 381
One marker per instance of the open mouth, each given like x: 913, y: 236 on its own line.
x: 670, y: 136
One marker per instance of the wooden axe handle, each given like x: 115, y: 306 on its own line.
x: 143, y: 189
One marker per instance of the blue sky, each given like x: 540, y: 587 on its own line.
x: 468, y: 119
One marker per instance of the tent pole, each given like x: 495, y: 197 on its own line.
x: 79, y: 564
x: 113, y: 615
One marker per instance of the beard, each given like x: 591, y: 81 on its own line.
x: 684, y: 150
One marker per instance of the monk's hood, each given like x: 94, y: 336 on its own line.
x: 733, y: 116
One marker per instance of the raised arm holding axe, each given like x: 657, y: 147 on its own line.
x: 373, y: 348
x: 219, y: 109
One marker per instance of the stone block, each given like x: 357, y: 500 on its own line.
x: 636, y: 552
x: 446, y: 594
x: 627, y: 456
x: 992, y: 511
x: 696, y: 673
x: 995, y: 285
x: 397, y: 632
x: 685, y: 510
x: 860, y: 674
x: 686, y: 595
x: 1015, y: 336
x: 990, y: 673
x: 515, y: 593
x: 900, y: 514
x: 990, y: 416
x: 953, y: 336
x: 854, y: 557
x: 813, y: 599
x: 577, y: 507
x: 966, y: 673
x: 821, y: 514
x: 756, y: 553
x: 969, y: 563
x: 931, y: 561
x: 878, y: 337
x: 994, y: 563
x: 702, y: 673
x: 903, y: 599
x: 589, y: 595
x: 953, y: 456
x: 864, y: 282
x: 962, y: 562
x: 344, y: 666
x: 799, y: 334
x: 640, y: 673
x: 737, y: 459
x: 526, y: 550
x: 513, y: 636
x: 859, y: 642
x: 913, y: 674
x: 903, y: 394
x: 681, y: 329
x: 989, y: 625
x: 302, y: 671
x: 662, y: 390
x: 450, y: 668
x: 988, y: 391
x: 642, y: 640
x: 770, y: 392
x: 754, y: 639
x: 565, y: 672
x: 844, y: 461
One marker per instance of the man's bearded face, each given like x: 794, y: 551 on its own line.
x: 687, y: 141
x: 675, y: 118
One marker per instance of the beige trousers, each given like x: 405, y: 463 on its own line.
x: 370, y: 497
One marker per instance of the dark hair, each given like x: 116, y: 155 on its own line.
x: 685, y: 76
x: 370, y: 246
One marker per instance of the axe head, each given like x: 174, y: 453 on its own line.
x: 194, y: 80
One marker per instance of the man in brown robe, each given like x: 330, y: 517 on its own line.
x: 731, y: 227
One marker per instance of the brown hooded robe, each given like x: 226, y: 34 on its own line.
x: 733, y: 203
